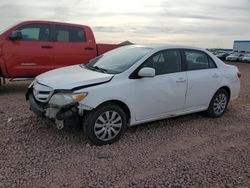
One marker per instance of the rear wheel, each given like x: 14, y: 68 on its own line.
x: 218, y: 104
x: 105, y: 124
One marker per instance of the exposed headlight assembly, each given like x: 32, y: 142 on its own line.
x: 62, y: 99
x: 32, y: 83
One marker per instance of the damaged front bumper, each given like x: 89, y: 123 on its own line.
x: 67, y: 115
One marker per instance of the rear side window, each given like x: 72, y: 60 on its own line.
x: 35, y: 32
x: 164, y: 62
x: 197, y: 60
x: 211, y: 63
x: 69, y: 34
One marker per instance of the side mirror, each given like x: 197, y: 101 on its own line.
x: 16, y: 35
x: 146, y: 72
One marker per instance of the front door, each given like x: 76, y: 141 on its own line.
x: 163, y: 94
x: 31, y: 55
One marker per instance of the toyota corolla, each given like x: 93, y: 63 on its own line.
x: 133, y: 85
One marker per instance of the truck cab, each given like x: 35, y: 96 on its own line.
x: 33, y: 47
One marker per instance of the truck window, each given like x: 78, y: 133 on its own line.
x: 35, y: 32
x: 69, y: 34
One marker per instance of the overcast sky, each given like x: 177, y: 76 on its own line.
x: 206, y: 23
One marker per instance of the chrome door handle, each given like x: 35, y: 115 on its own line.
x: 181, y: 80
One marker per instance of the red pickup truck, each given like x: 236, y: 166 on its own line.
x: 33, y: 47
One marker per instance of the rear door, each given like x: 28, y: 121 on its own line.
x: 31, y: 55
x: 72, y: 45
x: 203, y: 79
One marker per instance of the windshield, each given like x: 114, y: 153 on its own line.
x: 118, y: 60
x: 2, y: 30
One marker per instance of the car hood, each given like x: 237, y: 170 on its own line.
x: 71, y: 77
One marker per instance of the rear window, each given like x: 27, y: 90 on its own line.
x: 69, y: 34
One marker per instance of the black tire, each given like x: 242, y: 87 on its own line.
x: 211, y: 109
x: 91, y: 118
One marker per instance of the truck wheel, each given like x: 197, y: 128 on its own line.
x: 218, y: 104
x: 105, y: 124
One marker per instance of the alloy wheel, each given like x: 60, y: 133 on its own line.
x: 108, y: 125
x: 220, y: 104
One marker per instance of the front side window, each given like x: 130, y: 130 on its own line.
x: 165, y: 62
x: 69, y: 34
x: 35, y: 32
x: 197, y: 60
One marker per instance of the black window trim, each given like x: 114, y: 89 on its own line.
x: 194, y: 50
x: 134, y: 74
x: 27, y: 24
x: 53, y: 36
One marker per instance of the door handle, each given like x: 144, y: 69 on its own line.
x: 216, y: 75
x: 47, y: 47
x: 181, y: 80
x: 89, y: 48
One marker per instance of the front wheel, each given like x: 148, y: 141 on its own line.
x: 218, y: 104
x: 105, y: 124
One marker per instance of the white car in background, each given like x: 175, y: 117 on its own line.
x: 133, y: 85
x: 234, y: 57
x: 246, y: 58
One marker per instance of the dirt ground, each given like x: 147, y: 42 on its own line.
x: 187, y: 151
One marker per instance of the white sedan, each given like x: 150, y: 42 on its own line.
x: 234, y: 57
x: 246, y: 58
x: 133, y: 85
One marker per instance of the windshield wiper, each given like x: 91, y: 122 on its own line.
x: 100, y: 69
x: 96, y: 68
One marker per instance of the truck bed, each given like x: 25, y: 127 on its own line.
x: 102, y: 48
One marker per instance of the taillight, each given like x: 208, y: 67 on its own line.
x: 238, y: 74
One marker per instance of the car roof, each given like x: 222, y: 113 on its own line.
x: 50, y: 22
x: 169, y: 46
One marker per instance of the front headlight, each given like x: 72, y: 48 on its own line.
x: 62, y: 99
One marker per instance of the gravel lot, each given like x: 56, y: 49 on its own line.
x: 188, y: 151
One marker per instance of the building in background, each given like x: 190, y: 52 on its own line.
x: 241, y: 46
